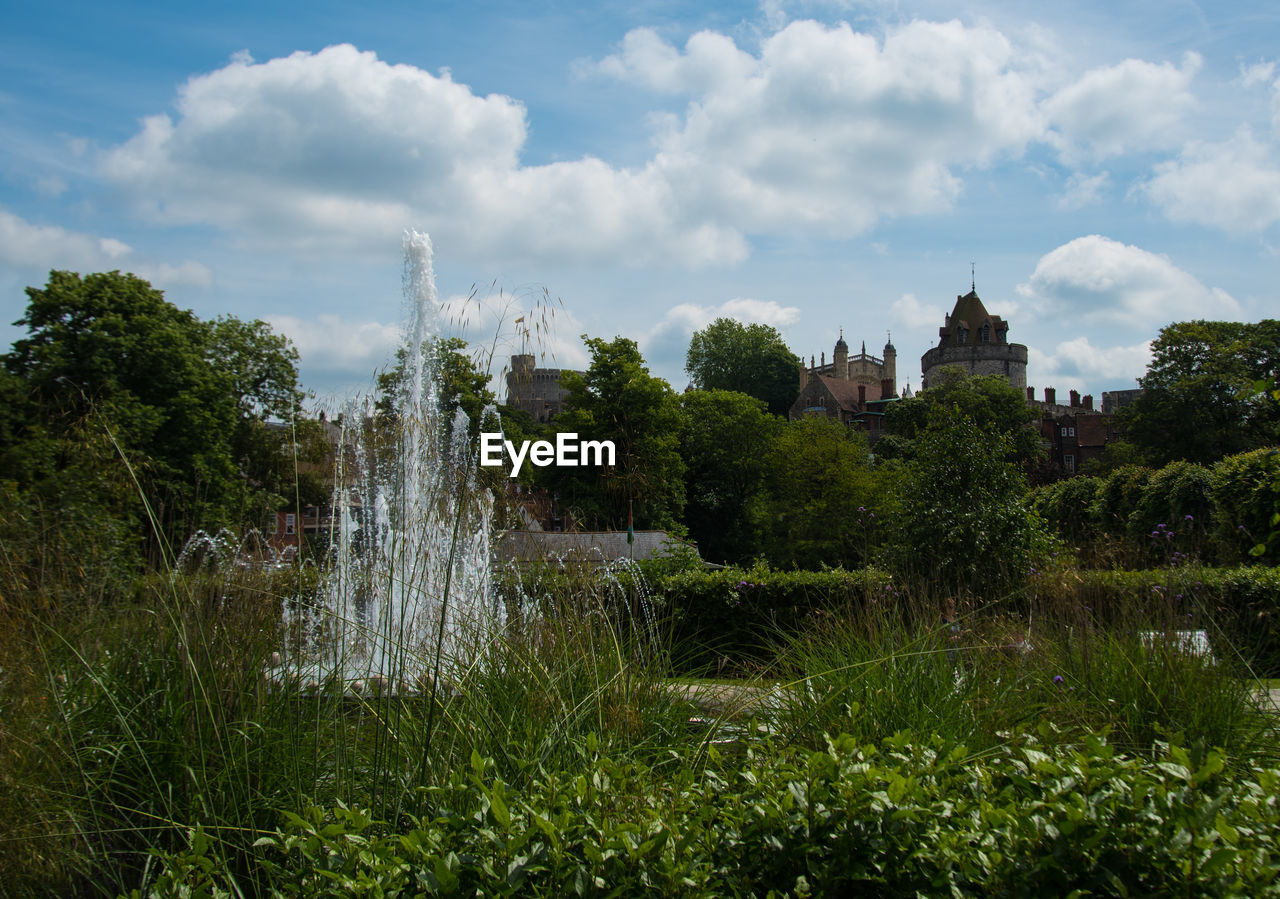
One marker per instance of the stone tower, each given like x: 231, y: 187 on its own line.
x: 841, y: 357
x: 889, y: 371
x: 976, y: 341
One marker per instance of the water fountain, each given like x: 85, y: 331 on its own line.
x: 409, y: 594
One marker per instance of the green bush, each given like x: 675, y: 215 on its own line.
x: 736, y: 618
x: 1173, y: 509
x: 1065, y: 506
x: 1116, y: 499
x: 1246, y: 495
x: 906, y: 817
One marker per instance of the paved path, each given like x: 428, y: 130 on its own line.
x: 734, y: 699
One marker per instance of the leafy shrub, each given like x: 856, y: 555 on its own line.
x: 1246, y: 495
x: 904, y: 818
x: 1172, y: 511
x: 963, y: 522
x: 1065, y: 506
x: 1117, y: 497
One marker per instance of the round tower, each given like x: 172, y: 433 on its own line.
x: 977, y: 342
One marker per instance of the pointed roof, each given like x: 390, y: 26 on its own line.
x: 966, y: 320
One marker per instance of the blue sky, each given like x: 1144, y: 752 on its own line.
x: 1109, y: 168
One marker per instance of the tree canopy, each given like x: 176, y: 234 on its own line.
x: 617, y: 399
x: 990, y: 402
x: 724, y: 440
x: 751, y: 359
x: 1200, y: 401
x: 183, y: 401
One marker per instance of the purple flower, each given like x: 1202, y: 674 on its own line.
x: 1189, y: 518
x: 1058, y: 679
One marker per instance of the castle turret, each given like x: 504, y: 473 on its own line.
x: 889, y: 371
x: 976, y: 341
x: 841, y: 358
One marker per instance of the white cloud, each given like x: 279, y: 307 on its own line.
x: 710, y: 60
x: 1258, y: 73
x: 667, y: 343
x: 338, y: 148
x: 1082, y: 190
x: 1073, y: 364
x: 1233, y: 185
x: 1114, y: 109
x: 1096, y: 280
x: 39, y: 248
x: 331, y: 343
x: 907, y: 310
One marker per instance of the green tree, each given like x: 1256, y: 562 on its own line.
x: 822, y: 504
x: 185, y: 402
x: 463, y: 384
x: 724, y: 440
x: 618, y: 400
x: 963, y: 518
x: 1199, y: 400
x: 751, y: 359
x: 996, y: 408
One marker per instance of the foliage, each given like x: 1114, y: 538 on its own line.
x: 1175, y: 507
x: 735, y: 618
x: 1066, y: 506
x: 618, y: 400
x: 751, y: 359
x: 1246, y: 497
x: 1197, y: 402
x: 962, y: 518
x: 994, y: 405
x: 724, y: 440
x: 183, y: 401
x: 1117, y: 497
x: 910, y: 816
x: 462, y: 383
x: 820, y: 496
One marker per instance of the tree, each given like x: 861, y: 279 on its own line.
x: 963, y: 520
x: 463, y: 385
x: 751, y: 359
x: 724, y: 440
x: 1199, y: 401
x: 618, y: 400
x: 821, y: 503
x: 996, y: 408
x: 183, y: 401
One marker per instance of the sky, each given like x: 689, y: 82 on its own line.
x: 1099, y: 170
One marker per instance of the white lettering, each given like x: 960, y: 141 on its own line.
x: 567, y: 451
x: 517, y: 459
x: 599, y: 446
x: 543, y: 454
x: 490, y: 449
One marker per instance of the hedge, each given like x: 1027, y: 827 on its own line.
x: 736, y: 618
x: 904, y: 818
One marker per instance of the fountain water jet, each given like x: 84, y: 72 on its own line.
x: 409, y: 593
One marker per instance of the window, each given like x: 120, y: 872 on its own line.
x: 1064, y: 432
x: 1071, y: 432
x: 986, y: 333
x: 1069, y: 463
x: 290, y: 523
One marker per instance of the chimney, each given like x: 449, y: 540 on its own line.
x: 1051, y: 396
x: 1088, y: 401
x: 1031, y: 394
x: 1075, y: 398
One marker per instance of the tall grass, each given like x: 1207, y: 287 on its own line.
x: 980, y: 677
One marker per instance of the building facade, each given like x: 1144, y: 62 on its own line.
x: 849, y: 389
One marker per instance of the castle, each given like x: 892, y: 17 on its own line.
x: 977, y: 341
x: 849, y: 389
x: 534, y: 390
